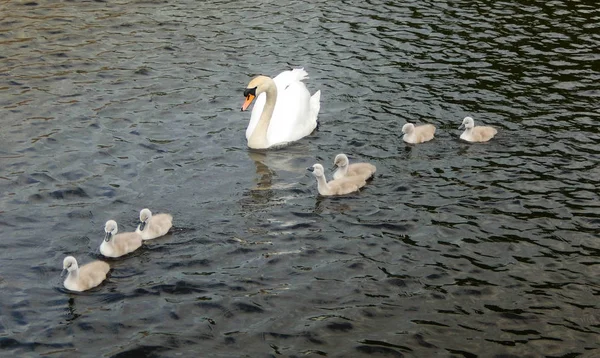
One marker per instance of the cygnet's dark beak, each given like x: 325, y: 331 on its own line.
x: 310, y: 169
x: 107, y: 237
x: 461, y: 126
x: 142, y: 225
x: 63, y: 273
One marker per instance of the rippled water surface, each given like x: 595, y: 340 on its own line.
x: 453, y: 249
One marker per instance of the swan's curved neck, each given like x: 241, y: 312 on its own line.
x: 73, y: 275
x: 322, y: 184
x: 258, y: 139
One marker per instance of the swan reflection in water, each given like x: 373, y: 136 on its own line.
x: 272, y: 174
x: 281, y: 175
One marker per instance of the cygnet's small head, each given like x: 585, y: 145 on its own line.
x: 467, y: 123
x: 317, y: 170
x: 254, y: 88
x: 145, y: 215
x: 408, y: 128
x: 341, y: 160
x: 69, y: 264
x: 111, y: 229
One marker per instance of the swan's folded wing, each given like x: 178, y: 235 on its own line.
x: 286, y: 77
x: 424, y: 133
x: 292, y: 117
x: 92, y: 274
x: 483, y: 133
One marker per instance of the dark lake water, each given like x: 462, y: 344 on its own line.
x: 453, y: 250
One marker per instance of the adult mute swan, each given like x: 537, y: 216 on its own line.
x: 475, y: 133
x: 345, y: 169
x: 418, y: 134
x: 284, y: 110
x: 84, y: 277
x: 153, y: 226
x: 337, y: 186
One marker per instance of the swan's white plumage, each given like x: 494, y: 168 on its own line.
x: 84, y: 277
x: 295, y: 113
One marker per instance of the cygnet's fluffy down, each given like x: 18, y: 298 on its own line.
x: 153, y: 226
x: 340, y: 186
x: 116, y: 245
x: 85, y: 277
x: 417, y: 134
x: 345, y: 169
x: 474, y: 133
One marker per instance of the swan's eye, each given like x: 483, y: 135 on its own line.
x: 250, y: 91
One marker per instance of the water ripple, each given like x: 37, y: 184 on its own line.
x: 452, y: 249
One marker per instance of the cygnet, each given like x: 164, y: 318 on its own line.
x: 340, y: 186
x: 474, y: 133
x: 153, y: 226
x: 345, y: 169
x: 116, y: 245
x: 85, y: 277
x: 418, y: 134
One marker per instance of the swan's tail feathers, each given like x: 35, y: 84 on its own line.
x: 315, y: 105
x: 299, y: 74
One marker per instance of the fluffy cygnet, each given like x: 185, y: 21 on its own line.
x: 340, y: 186
x: 116, y: 245
x: 345, y: 169
x: 84, y: 277
x: 153, y: 226
x: 474, y: 133
x: 418, y: 134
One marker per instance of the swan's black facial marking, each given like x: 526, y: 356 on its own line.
x: 250, y: 91
x: 250, y: 94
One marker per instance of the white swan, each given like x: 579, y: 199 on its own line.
x: 284, y: 110
x: 341, y: 186
x: 418, y: 134
x: 153, y: 226
x: 474, y: 133
x: 84, y: 277
x: 345, y: 169
x: 116, y: 245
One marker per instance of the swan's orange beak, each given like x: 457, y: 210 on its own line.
x: 248, y: 101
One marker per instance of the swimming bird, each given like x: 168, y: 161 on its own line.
x: 116, y: 245
x: 284, y: 110
x: 153, y: 226
x: 474, y: 133
x: 345, y: 169
x: 418, y: 134
x: 84, y: 277
x: 340, y: 186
